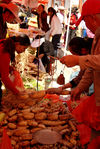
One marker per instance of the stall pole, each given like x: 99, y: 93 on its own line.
x: 66, y: 43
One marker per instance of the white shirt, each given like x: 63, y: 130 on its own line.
x: 56, y: 27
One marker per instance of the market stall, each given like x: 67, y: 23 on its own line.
x: 32, y: 119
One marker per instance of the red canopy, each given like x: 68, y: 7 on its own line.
x: 30, y: 3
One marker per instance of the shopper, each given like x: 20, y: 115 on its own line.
x: 90, y: 112
x: 55, y: 28
x: 41, y: 17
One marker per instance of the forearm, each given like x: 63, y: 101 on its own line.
x: 68, y: 85
x: 8, y: 84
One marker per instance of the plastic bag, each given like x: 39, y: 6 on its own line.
x: 85, y: 133
x: 17, y: 80
x: 87, y: 113
x: 60, y: 53
x: 53, y: 97
x: 41, y: 66
x: 6, y: 142
x: 95, y: 144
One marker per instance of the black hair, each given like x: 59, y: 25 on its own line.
x: 9, y: 44
x: 23, y: 39
x: 21, y: 18
x: 42, y: 6
x: 51, y: 9
x: 77, y: 43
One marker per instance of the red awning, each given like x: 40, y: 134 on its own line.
x: 30, y: 3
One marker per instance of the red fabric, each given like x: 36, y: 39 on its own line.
x: 69, y: 105
x: 4, y: 70
x: 87, y: 113
x: 53, y: 97
x: 95, y: 144
x: 85, y: 133
x: 88, y: 8
x: 6, y: 142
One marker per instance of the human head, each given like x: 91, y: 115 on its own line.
x: 51, y: 11
x: 15, y: 43
x: 80, y: 46
x: 90, y: 13
x: 11, y: 10
x: 22, y: 41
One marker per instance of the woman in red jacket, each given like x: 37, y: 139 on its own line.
x: 7, y: 55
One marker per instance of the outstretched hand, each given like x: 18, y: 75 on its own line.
x: 75, y: 94
x: 54, y: 90
x: 70, y: 60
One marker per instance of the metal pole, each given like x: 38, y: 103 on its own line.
x: 66, y: 44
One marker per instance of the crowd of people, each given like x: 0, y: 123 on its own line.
x: 85, y: 53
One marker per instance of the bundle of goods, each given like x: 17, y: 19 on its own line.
x: 36, y: 122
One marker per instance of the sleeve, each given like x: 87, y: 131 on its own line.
x: 90, y: 61
x: 86, y: 81
x: 5, y: 59
x: 52, y: 30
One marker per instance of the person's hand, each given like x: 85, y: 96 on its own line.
x: 22, y: 95
x: 54, y: 90
x: 70, y: 60
x: 75, y: 94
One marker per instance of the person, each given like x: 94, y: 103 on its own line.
x: 7, y: 54
x: 83, y: 29
x: 60, y: 14
x: 55, y: 28
x: 91, y: 63
x: 77, y: 46
x: 23, y: 24
x: 41, y: 17
x: 72, y: 27
x: 8, y: 13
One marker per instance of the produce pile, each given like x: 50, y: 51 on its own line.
x: 27, y: 115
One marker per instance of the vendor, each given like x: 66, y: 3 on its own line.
x: 7, y: 55
x: 91, y: 63
x: 8, y: 13
x: 41, y: 17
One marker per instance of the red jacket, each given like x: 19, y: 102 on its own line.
x: 4, y: 70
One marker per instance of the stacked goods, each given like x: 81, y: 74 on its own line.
x: 27, y: 116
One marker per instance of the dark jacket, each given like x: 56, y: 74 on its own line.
x: 45, y: 26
